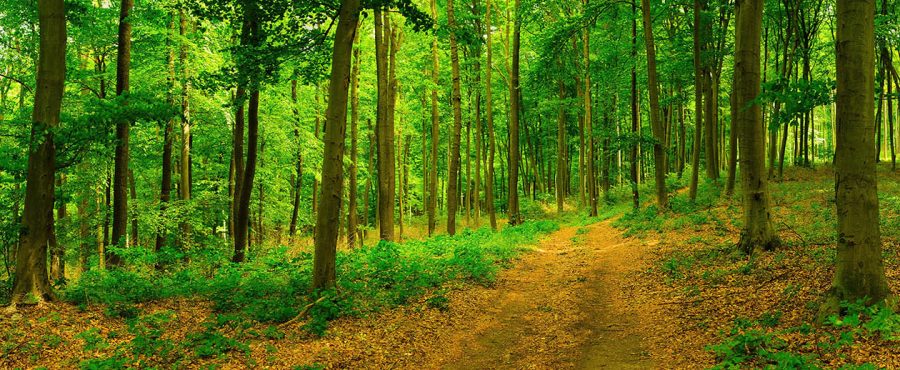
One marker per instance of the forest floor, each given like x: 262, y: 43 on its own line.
x: 638, y: 290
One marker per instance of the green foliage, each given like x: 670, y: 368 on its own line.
x: 859, y: 319
x: 749, y: 344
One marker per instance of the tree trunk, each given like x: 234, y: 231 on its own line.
x: 352, y: 213
x: 659, y: 153
x: 859, y: 270
x: 513, y: 196
x: 120, y: 175
x: 489, y: 111
x: 335, y: 131
x: 454, y: 167
x: 185, y: 185
x: 435, y: 130
x: 241, y: 221
x: 166, y: 182
x: 698, y: 102
x: 385, y: 129
x: 635, y: 113
x: 758, y: 231
x: 37, y: 222
x: 560, y: 147
x: 238, y: 158
x: 298, y: 170
x: 591, y: 178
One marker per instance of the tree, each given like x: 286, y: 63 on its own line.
x: 859, y: 269
x: 384, y: 128
x: 489, y: 112
x: 591, y: 179
x: 352, y: 213
x: 513, y: 196
x: 435, y: 130
x: 37, y: 221
x: 251, y: 38
x: 123, y: 127
x: 165, y: 191
x: 327, y: 218
x: 185, y: 176
x: 455, y: 101
x: 758, y: 231
x: 659, y: 154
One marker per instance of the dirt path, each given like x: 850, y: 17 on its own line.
x: 566, y: 305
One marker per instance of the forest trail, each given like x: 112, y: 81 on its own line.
x: 565, y: 305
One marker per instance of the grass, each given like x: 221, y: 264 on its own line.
x: 248, y: 300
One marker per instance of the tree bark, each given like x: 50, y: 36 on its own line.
x: 513, y: 147
x: 352, y: 212
x: 120, y: 173
x: 591, y: 179
x: 560, y: 147
x: 435, y: 130
x: 758, y: 231
x: 859, y: 269
x: 698, y: 103
x: 298, y: 170
x: 454, y: 167
x: 659, y: 153
x: 385, y: 130
x: 37, y: 222
x: 335, y: 132
x: 185, y: 178
x: 489, y: 112
x: 635, y: 113
x: 166, y: 181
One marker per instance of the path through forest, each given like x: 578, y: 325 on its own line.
x: 565, y: 305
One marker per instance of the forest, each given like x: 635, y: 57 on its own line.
x: 478, y: 184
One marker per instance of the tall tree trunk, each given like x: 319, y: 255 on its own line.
x: 758, y: 231
x: 560, y: 147
x: 435, y: 129
x: 859, y: 269
x: 241, y: 221
x: 298, y: 170
x: 489, y: 111
x: 659, y: 153
x: 166, y: 182
x: 454, y: 167
x: 37, y: 222
x: 352, y: 213
x: 635, y: 113
x: 385, y: 129
x: 238, y: 158
x: 591, y: 178
x: 185, y: 186
x: 335, y: 131
x: 246, y: 170
x: 513, y: 147
x: 698, y: 102
x: 120, y: 175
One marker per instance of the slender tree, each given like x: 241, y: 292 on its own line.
x: 435, y: 131
x: 455, y: 101
x: 123, y: 127
x: 513, y: 147
x: 659, y: 153
x: 352, y: 212
x: 327, y: 218
x: 489, y: 112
